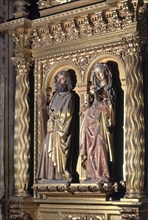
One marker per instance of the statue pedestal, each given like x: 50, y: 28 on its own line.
x: 70, y: 191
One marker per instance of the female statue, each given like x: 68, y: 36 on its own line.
x: 97, y: 126
x: 55, y: 158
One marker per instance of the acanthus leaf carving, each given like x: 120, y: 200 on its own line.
x: 133, y: 44
x: 98, y: 23
x: 57, y: 33
x: 84, y: 28
x: 71, y: 32
x: 21, y: 37
x: 125, y: 13
x: 35, y: 39
x: 45, y: 35
x: 114, y: 22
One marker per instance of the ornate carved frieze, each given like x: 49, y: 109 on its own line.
x: 125, y: 13
x: 22, y: 209
x: 71, y: 33
x: 101, y: 190
x: 81, y: 27
x: 46, y: 32
x: 57, y: 33
x: 16, y: 210
x: 131, y: 213
x: 98, y: 22
x: 21, y: 37
x: 113, y: 21
x: 80, y: 216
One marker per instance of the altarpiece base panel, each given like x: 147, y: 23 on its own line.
x: 84, y: 57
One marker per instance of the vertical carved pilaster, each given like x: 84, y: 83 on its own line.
x: 21, y: 130
x: 134, y: 145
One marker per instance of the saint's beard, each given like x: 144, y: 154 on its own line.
x: 61, y: 87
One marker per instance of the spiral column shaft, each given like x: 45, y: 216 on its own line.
x: 134, y: 152
x: 21, y: 129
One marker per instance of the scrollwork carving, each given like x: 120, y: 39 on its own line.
x: 80, y: 216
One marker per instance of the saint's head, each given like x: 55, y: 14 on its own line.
x: 63, y: 82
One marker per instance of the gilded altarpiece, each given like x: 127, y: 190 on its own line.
x: 74, y: 36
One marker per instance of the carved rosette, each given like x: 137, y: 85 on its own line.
x: 21, y: 130
x: 134, y: 124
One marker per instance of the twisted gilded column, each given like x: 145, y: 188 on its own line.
x: 21, y: 129
x: 134, y: 123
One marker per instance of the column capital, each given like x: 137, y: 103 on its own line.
x: 22, y: 64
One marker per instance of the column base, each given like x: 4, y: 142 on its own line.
x: 135, y: 195
x: 21, y: 193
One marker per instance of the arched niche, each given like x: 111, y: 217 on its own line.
x: 117, y: 67
x: 62, y: 65
x: 104, y: 58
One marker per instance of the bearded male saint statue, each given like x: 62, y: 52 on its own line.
x: 97, y: 127
x: 55, y: 161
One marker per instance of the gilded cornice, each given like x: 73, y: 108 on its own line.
x: 102, y: 23
x: 14, y: 24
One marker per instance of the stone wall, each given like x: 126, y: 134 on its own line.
x: 7, y: 85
